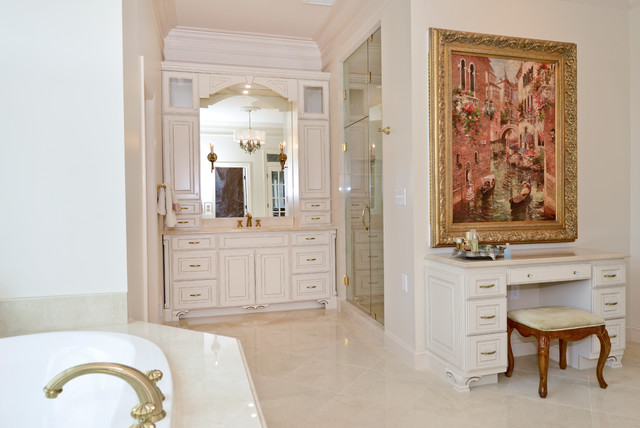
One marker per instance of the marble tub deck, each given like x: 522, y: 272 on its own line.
x: 317, y: 369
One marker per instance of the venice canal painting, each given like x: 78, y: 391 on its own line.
x: 503, y: 139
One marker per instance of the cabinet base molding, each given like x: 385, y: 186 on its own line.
x: 195, y: 313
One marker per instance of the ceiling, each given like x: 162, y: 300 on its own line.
x: 288, y: 18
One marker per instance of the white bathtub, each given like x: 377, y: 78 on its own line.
x: 28, y: 363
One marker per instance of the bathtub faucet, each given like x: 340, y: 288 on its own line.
x: 149, y: 409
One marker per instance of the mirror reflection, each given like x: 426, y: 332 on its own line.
x: 247, y: 131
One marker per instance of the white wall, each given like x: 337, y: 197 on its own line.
x: 142, y: 57
x: 62, y: 152
x: 634, y: 113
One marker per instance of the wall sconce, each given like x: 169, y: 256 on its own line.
x: 212, y: 157
x: 282, y: 157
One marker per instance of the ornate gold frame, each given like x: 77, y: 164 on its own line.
x: 443, y: 231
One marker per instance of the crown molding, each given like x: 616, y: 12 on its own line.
x: 615, y: 4
x: 197, y: 45
x: 244, y: 71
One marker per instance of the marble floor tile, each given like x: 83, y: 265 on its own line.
x: 320, y: 369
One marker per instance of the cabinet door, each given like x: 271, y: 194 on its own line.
x: 237, y: 277
x: 181, y: 166
x: 314, y: 159
x: 180, y: 92
x: 314, y: 99
x: 272, y: 275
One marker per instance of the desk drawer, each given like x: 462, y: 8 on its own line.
x: 609, y: 302
x: 608, y: 275
x: 487, y: 285
x: 616, y: 330
x: 487, y: 316
x: 193, y: 265
x: 552, y: 273
x: 487, y: 351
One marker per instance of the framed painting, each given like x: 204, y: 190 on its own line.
x: 502, y: 138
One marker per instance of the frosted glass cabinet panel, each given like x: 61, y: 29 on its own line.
x: 315, y: 99
x: 180, y: 93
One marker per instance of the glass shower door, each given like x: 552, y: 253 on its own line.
x: 363, y: 178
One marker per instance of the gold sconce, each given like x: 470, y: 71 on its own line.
x: 282, y: 157
x: 212, y: 157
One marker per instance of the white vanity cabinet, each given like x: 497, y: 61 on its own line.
x: 467, y: 300
x: 223, y: 273
x: 315, y: 183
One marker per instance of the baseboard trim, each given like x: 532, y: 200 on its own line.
x: 633, y: 334
x: 415, y: 360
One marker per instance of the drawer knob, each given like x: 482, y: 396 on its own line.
x: 529, y: 275
x: 195, y: 295
x: 311, y: 260
x: 487, y: 317
x: 194, y: 265
x: 310, y: 239
x: 610, y: 275
x: 488, y: 353
x: 488, y: 286
x: 611, y: 303
x: 312, y: 286
x: 194, y: 242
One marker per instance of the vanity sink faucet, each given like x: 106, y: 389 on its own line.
x: 249, y: 217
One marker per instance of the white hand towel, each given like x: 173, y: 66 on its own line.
x: 162, y: 204
x: 170, y: 218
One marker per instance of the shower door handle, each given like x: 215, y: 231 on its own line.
x: 364, y: 209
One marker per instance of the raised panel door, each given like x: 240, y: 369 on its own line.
x: 237, y: 277
x: 314, y: 159
x: 181, y: 165
x: 272, y: 275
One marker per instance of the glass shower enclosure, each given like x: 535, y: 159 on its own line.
x: 363, y: 177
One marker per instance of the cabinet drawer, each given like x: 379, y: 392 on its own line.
x: 608, y: 275
x: 487, y: 316
x: 609, y: 302
x: 316, y: 218
x: 315, y: 205
x: 489, y: 285
x: 194, y: 294
x: 314, y: 286
x: 310, y: 259
x: 487, y: 351
x: 552, y: 273
x: 311, y: 238
x: 193, y: 242
x: 193, y: 265
x: 190, y: 207
x: 616, y: 330
x: 254, y: 240
x: 187, y: 222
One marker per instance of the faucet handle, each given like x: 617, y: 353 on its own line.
x: 142, y: 412
x: 154, y: 376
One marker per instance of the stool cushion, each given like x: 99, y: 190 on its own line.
x: 555, y: 318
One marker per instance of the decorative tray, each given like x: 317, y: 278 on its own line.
x: 484, y: 252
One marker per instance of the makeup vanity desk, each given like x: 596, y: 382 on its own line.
x: 467, y: 302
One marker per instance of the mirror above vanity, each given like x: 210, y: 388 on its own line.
x: 267, y: 133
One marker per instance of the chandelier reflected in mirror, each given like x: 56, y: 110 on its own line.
x: 250, y: 140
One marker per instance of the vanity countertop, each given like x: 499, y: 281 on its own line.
x: 530, y: 256
x: 262, y: 229
x: 211, y: 382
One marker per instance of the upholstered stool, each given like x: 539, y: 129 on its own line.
x: 547, y: 323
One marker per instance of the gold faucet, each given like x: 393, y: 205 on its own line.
x: 149, y: 409
x: 249, y: 217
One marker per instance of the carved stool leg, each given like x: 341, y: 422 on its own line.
x: 510, y: 361
x: 543, y: 363
x: 605, y: 348
x: 563, y: 354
